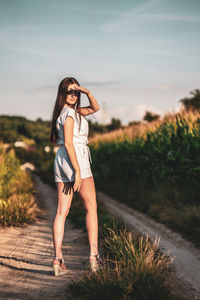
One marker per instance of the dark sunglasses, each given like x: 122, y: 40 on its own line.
x: 73, y: 92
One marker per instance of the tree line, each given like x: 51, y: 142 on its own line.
x: 13, y: 128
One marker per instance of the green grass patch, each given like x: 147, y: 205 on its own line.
x: 17, y: 201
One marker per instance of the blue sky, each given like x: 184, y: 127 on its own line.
x: 132, y: 55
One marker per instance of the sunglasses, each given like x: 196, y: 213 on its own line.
x: 73, y: 92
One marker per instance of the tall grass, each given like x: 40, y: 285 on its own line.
x: 17, y: 201
x: 134, y: 266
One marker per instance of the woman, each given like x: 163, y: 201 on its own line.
x: 72, y: 172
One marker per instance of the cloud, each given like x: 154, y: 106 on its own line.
x: 34, y: 51
x: 127, y: 20
x: 42, y: 89
x: 126, y: 113
x: 162, y: 52
x: 52, y: 87
x: 100, y: 83
x: 169, y: 17
x: 140, y: 109
x: 127, y: 23
x: 146, y: 6
x: 104, y: 115
x: 88, y: 10
x: 17, y: 27
x: 161, y: 88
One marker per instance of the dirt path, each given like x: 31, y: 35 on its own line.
x: 26, y: 254
x: 186, y: 255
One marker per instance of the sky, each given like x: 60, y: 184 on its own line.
x: 133, y: 55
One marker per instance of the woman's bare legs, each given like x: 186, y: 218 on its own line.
x: 88, y: 195
x: 65, y: 195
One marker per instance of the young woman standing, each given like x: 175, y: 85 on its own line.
x: 72, y: 172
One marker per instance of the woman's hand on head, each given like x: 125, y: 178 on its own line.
x: 81, y: 89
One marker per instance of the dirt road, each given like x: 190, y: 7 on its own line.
x: 186, y: 255
x: 26, y: 254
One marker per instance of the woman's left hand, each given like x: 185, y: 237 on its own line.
x: 81, y: 89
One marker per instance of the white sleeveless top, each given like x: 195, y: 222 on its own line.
x: 78, y: 136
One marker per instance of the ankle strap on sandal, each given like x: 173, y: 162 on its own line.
x: 94, y: 254
x: 60, y: 259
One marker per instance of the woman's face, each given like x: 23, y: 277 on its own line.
x: 71, y: 97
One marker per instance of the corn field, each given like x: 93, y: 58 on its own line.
x: 155, y: 170
x: 168, y: 153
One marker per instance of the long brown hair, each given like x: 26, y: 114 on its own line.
x: 59, y: 104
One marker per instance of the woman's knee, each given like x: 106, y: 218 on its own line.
x: 91, y: 207
x: 62, y: 213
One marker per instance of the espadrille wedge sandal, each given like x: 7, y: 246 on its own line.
x: 60, y: 268
x: 95, y: 263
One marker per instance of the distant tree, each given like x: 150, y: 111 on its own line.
x: 96, y: 128
x: 39, y: 120
x: 21, y: 128
x: 24, y: 129
x: 134, y: 123
x: 192, y: 103
x: 115, y: 124
x: 149, y: 116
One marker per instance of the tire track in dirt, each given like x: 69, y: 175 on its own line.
x: 26, y: 254
x: 186, y: 255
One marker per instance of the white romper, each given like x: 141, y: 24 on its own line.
x: 63, y: 168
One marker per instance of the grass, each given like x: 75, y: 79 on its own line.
x: 167, y: 205
x: 134, y: 266
x: 17, y: 201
